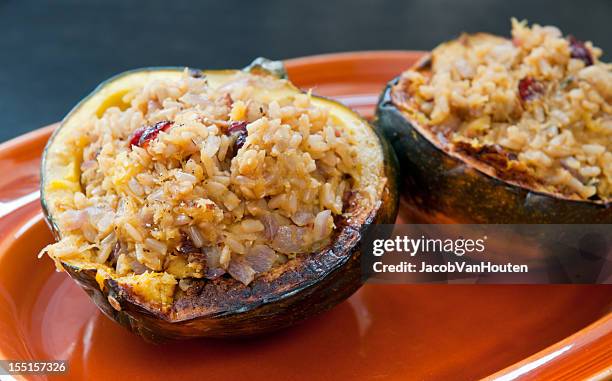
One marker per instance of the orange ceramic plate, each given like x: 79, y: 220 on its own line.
x: 425, y: 332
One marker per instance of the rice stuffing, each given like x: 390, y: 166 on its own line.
x: 198, y: 182
x: 541, y: 100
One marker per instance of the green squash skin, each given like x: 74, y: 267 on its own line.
x: 434, y: 183
x: 314, y: 284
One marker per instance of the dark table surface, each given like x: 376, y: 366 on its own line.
x: 52, y: 53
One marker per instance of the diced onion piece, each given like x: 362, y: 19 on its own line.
x: 240, y: 269
x: 270, y: 226
x: 289, y: 239
x: 261, y: 258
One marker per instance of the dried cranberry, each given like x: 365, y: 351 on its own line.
x: 237, y: 126
x: 529, y: 88
x: 579, y: 51
x: 239, y: 130
x: 143, y: 135
x: 136, y: 136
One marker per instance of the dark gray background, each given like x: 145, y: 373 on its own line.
x: 54, y: 52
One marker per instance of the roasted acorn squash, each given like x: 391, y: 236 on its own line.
x: 302, y: 287
x: 438, y: 185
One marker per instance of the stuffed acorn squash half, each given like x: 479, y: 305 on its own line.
x: 492, y: 130
x: 195, y: 203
